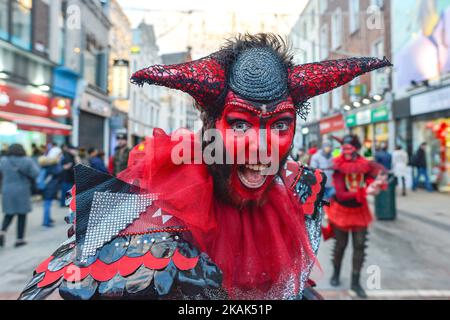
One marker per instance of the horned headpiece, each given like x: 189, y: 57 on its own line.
x: 256, y: 72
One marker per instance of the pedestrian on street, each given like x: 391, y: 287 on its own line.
x: 400, y: 166
x: 383, y: 157
x: 49, y: 181
x: 18, y: 172
x: 95, y: 161
x: 419, y: 162
x: 68, y: 162
x: 121, y: 153
x: 323, y: 160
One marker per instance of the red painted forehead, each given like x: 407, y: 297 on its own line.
x: 261, y: 109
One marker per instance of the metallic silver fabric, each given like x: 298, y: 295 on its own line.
x: 111, y: 213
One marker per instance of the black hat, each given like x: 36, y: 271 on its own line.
x: 353, y: 140
x: 121, y: 136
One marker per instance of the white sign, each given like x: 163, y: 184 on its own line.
x: 430, y: 102
x: 95, y: 105
x: 363, y: 117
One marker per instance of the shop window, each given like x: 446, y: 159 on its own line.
x: 4, y: 19
x: 21, y: 18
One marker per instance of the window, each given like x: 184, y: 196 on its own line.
x: 325, y: 103
x: 336, y: 25
x: 354, y: 15
x: 21, y: 17
x: 337, y: 98
x: 378, y: 3
x: 61, y: 37
x: 324, y: 42
x: 4, y: 19
x: 323, y: 6
x: 89, y: 67
x: 378, y: 77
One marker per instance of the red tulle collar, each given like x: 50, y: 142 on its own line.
x: 357, y: 165
x: 256, y: 247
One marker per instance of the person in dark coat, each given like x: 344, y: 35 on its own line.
x: 19, y: 172
x: 419, y: 162
x: 95, y: 161
x: 51, y: 171
x: 68, y: 162
x: 121, y: 154
x: 383, y: 157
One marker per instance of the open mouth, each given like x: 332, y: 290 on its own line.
x: 251, y: 175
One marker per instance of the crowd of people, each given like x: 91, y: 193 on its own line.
x: 398, y: 163
x: 47, y: 172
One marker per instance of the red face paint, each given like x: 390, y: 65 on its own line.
x: 256, y: 139
x: 348, y: 151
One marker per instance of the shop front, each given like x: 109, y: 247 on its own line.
x: 310, y: 135
x: 332, y: 127
x: 371, y: 126
x: 430, y: 122
x: 93, y: 122
x: 25, y: 117
x: 64, y: 91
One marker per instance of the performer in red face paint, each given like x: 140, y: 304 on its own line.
x: 354, y: 178
x: 244, y: 226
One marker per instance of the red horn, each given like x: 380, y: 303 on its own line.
x: 203, y: 79
x: 309, y: 80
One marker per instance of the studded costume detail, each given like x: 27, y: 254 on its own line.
x: 166, y: 229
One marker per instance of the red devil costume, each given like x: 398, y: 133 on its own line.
x: 169, y: 229
x: 354, y: 178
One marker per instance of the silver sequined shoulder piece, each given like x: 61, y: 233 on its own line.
x: 110, y: 214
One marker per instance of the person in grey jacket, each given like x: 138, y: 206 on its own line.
x: 18, y: 172
x: 323, y: 160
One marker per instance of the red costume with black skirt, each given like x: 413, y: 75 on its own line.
x: 175, y: 226
x: 349, y: 211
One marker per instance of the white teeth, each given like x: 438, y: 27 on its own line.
x: 256, y: 167
x: 251, y: 185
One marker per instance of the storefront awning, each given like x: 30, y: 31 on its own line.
x: 35, y: 123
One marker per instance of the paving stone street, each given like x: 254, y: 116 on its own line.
x: 410, y: 255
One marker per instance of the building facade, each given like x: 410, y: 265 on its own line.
x: 120, y: 43
x: 341, y: 29
x: 177, y: 107
x: 145, y: 108
x: 28, y: 112
x: 80, y: 51
x: 421, y: 82
x: 304, y: 37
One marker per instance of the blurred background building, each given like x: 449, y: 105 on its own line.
x: 120, y: 43
x: 145, y: 107
x: 65, y: 68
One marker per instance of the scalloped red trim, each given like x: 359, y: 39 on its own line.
x: 73, y: 205
x: 310, y: 203
x: 102, y: 272
x: 292, y: 180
